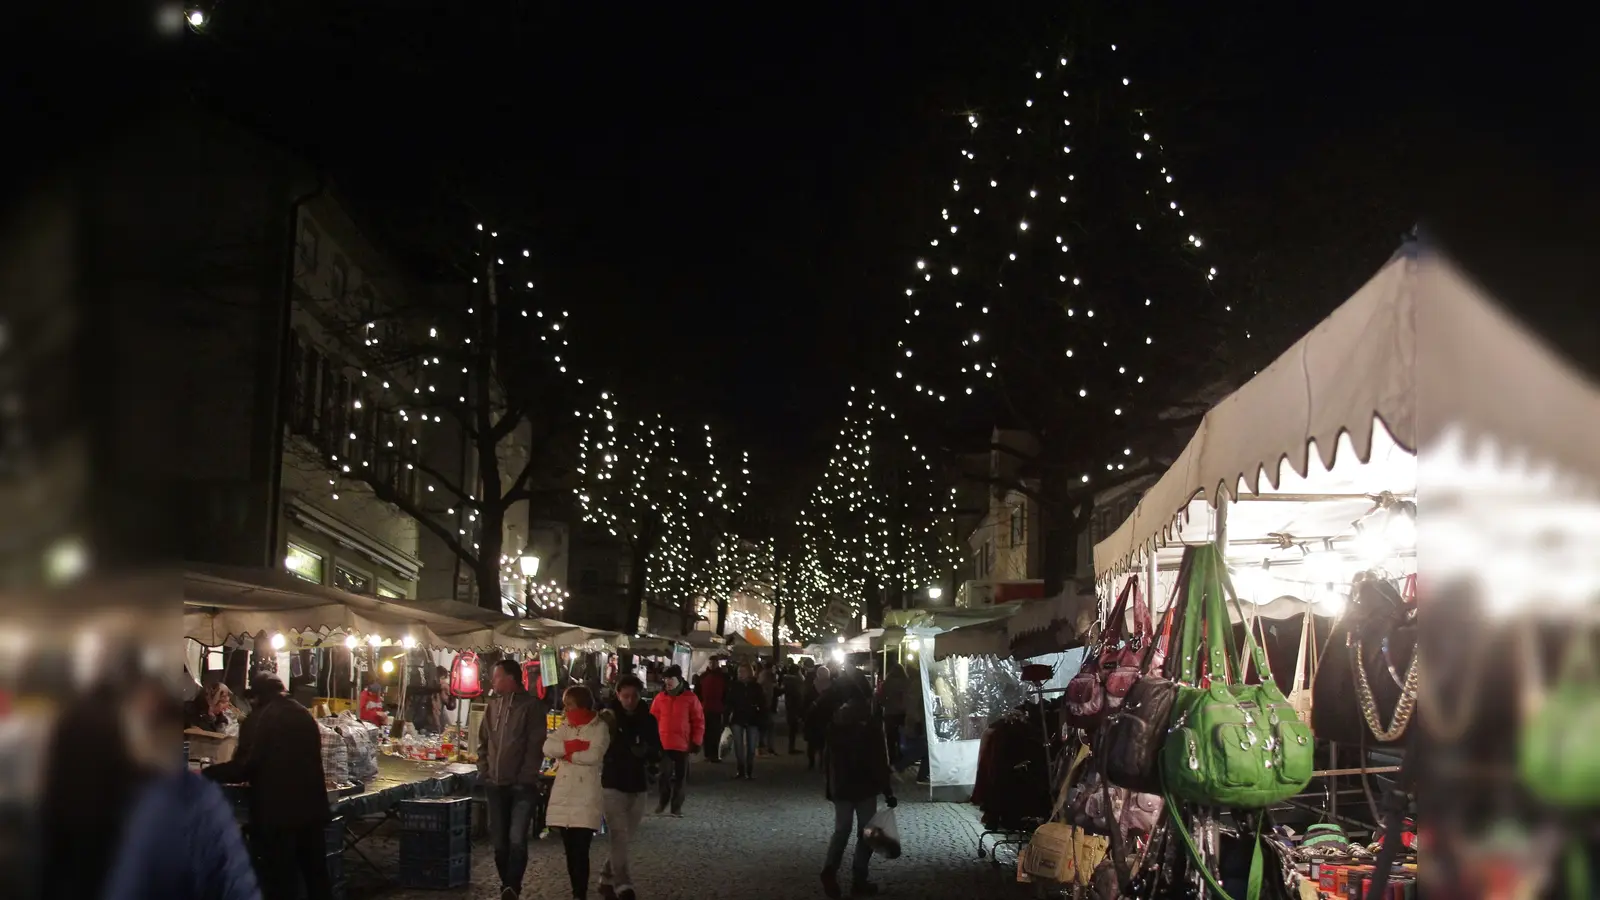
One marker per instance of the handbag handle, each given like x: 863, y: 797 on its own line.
x: 1216, y: 590
x: 1194, y: 614
x: 1112, y: 634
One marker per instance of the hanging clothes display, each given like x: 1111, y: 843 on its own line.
x: 1012, y: 787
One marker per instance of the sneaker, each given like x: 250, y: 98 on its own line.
x: 830, y: 885
x: 864, y: 889
x: 510, y: 893
x: 677, y: 815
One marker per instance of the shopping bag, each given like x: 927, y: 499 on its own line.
x: 883, y: 835
x: 725, y: 745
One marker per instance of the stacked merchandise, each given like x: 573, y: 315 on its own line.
x: 1013, y: 782
x: 436, y: 842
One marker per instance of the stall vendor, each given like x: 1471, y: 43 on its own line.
x: 211, y: 709
x: 371, y: 704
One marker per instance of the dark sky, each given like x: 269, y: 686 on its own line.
x: 725, y: 197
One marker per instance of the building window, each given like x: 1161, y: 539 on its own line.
x: 983, y: 559
x: 348, y: 579
x: 303, y: 563
x: 1019, y: 526
x: 389, y: 592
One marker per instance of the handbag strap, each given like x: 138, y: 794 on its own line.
x: 1194, y: 614
x: 1113, y: 631
x: 1308, y: 634
x: 1221, y: 630
x: 1252, y: 882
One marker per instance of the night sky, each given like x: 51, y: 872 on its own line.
x: 725, y: 201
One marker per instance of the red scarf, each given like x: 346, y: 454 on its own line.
x: 580, y: 717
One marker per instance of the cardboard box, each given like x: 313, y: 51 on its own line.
x: 219, y: 748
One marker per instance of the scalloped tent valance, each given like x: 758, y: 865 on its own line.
x: 1420, y: 350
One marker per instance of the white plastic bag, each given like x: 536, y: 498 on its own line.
x: 882, y: 834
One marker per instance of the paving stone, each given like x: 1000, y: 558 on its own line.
x: 763, y: 839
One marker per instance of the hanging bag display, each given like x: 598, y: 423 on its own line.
x: 1133, y: 739
x: 464, y: 681
x: 1231, y: 744
x: 1365, y: 689
x: 1086, y: 701
x: 1557, y: 756
x: 1305, y: 667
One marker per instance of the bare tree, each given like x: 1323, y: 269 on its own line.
x: 453, y: 403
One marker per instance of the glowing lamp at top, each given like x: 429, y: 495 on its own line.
x: 349, y: 642
x: 279, y: 642
x: 388, y: 667
x: 408, y: 642
x: 935, y: 592
x: 530, y: 563
x: 374, y: 641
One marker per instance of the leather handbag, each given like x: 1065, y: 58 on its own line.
x: 1556, y: 753
x: 1231, y: 744
x: 1365, y: 687
x: 1086, y: 700
x: 1131, y: 746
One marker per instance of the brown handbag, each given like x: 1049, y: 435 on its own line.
x: 1091, y: 694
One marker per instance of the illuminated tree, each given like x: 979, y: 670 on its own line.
x: 1065, y: 284
x: 664, y: 492
x: 877, y: 526
x: 446, y: 401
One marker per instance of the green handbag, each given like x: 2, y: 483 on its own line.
x: 1556, y: 753
x: 1231, y: 744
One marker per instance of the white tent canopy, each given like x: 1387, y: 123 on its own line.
x: 983, y: 639
x: 1420, y: 350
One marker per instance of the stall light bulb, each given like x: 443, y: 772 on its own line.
x: 408, y: 642
x: 388, y: 667
x: 279, y: 642
x: 349, y: 642
x: 374, y: 641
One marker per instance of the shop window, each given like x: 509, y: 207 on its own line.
x: 347, y: 579
x: 303, y: 563
x: 389, y: 592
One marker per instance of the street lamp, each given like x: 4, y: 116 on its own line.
x: 935, y: 592
x: 530, y: 568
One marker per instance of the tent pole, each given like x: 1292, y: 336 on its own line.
x: 1222, y: 524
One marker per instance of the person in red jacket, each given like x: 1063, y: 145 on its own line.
x: 713, y: 689
x: 682, y: 722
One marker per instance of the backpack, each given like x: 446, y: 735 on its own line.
x: 464, y: 681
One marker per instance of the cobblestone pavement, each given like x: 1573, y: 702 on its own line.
x: 763, y: 840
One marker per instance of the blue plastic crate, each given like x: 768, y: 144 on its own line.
x: 436, y: 844
x: 335, y: 836
x: 418, y: 872
x: 443, y: 814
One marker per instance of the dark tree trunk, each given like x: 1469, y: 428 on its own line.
x: 722, y: 615
x: 777, y: 617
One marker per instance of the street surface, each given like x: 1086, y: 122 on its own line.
x: 763, y: 840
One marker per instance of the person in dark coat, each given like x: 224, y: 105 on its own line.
x: 711, y: 687
x: 634, y: 753
x: 816, y: 721
x: 794, y: 700
x: 747, y: 710
x: 856, y: 765
x: 280, y: 757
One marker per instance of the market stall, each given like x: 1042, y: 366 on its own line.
x: 1417, y: 360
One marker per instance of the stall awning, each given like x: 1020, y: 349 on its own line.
x: 1066, y: 616
x: 1419, y: 349
x: 982, y: 639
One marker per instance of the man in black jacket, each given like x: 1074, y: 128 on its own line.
x: 856, y: 764
x: 280, y: 756
x: 625, y: 777
x: 510, y: 754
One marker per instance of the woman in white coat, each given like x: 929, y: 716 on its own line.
x: 576, y: 801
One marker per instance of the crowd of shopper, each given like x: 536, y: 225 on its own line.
x: 164, y: 832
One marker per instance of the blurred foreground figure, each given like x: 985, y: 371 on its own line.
x: 134, y: 823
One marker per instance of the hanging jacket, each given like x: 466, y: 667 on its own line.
x: 635, y: 746
x: 181, y: 843
x: 681, y: 719
x: 745, y: 703
x: 576, y: 799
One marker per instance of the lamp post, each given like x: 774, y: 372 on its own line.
x: 530, y: 569
x: 935, y: 592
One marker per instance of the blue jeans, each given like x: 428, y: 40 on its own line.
x: 510, y: 815
x: 862, y: 812
x: 745, y: 739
